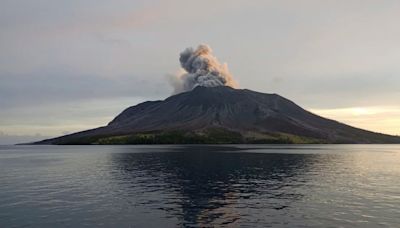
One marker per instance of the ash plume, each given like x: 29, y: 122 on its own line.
x: 201, y: 68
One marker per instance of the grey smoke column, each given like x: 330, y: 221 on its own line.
x: 202, y: 69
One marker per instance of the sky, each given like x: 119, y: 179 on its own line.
x: 67, y: 66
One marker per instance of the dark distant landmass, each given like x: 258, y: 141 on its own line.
x: 221, y: 115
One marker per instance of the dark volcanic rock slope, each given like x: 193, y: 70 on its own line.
x: 242, y: 111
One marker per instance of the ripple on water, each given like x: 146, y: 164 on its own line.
x: 224, y: 186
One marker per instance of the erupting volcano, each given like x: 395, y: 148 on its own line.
x: 208, y: 108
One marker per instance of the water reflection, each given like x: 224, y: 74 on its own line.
x: 215, y: 185
x: 192, y: 186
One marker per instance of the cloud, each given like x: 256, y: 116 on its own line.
x: 58, y: 87
x: 53, y: 119
x: 6, y: 139
x: 322, y: 55
x: 383, y: 119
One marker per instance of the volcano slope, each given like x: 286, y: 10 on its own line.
x: 221, y: 115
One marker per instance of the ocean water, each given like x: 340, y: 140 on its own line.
x: 200, y: 186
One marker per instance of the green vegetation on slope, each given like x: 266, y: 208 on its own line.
x: 209, y: 136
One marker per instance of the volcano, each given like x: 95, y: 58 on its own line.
x: 216, y: 115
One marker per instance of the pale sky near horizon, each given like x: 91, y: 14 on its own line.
x: 67, y: 66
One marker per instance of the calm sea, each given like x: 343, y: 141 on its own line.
x: 200, y: 186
